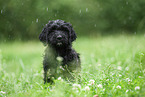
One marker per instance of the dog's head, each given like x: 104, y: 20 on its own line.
x: 57, y: 33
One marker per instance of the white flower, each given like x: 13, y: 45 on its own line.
x: 128, y: 80
x: 60, y: 79
x: 76, y: 86
x: 119, y: 87
x: 61, y: 68
x: 100, y: 86
x: 137, y: 88
x: 127, y: 91
x: 103, y: 89
x: 87, y: 88
x: 119, y: 68
x: 91, y: 82
x: 140, y: 77
x: 99, y: 64
x: 120, y: 75
x: 113, y: 74
x: 127, y: 68
x: 2, y: 92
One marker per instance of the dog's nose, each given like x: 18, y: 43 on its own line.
x: 59, y: 37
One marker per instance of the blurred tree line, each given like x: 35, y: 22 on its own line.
x: 24, y: 19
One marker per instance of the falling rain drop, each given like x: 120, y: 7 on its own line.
x: 80, y: 11
x: 47, y: 9
x: 126, y: 3
x: 23, y: 19
x: 86, y: 9
x: 36, y: 20
x: 129, y: 18
x: 95, y: 25
x: 1, y: 11
x: 134, y: 32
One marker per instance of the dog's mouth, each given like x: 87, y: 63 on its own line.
x: 59, y: 44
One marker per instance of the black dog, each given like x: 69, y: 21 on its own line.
x: 60, y: 60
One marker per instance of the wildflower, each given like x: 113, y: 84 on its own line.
x: 91, y: 82
x: 119, y: 68
x: 127, y: 91
x: 2, y: 92
x: 120, y: 75
x: 100, y: 86
x: 113, y: 74
x: 61, y: 68
x: 140, y: 77
x: 137, y: 88
x: 142, y: 54
x: 128, y: 80
x: 103, y: 90
x: 119, y: 87
x: 60, y: 79
x: 127, y: 68
x: 87, y: 88
x: 76, y: 86
x: 95, y: 96
x: 99, y: 64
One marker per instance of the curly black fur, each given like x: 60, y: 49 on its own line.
x: 60, y: 60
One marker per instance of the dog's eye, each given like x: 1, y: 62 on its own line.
x: 64, y: 29
x: 53, y: 28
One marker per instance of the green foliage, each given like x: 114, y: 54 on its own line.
x: 111, y: 66
x: 24, y: 19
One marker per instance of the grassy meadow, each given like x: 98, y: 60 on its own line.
x: 112, y: 66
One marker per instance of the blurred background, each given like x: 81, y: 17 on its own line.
x: 24, y: 19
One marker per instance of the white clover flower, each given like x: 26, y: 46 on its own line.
x: 127, y: 91
x: 59, y: 59
x: 119, y: 87
x: 99, y: 64
x: 95, y: 96
x: 137, y: 88
x: 119, y: 68
x: 140, y: 77
x: 59, y: 78
x: 128, y: 80
x: 91, y: 82
x: 87, y: 88
x: 2, y: 92
x: 76, y: 86
x: 100, y: 86
x: 127, y: 68
x: 113, y: 74
x: 103, y: 90
x: 61, y: 68
x: 77, y: 91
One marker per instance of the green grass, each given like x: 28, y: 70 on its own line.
x: 111, y: 66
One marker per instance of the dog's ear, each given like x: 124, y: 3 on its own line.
x: 72, y: 35
x: 43, y: 35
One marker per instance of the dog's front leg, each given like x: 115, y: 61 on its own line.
x: 49, y: 74
x: 45, y: 67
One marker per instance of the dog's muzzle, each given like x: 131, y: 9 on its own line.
x: 59, y: 40
x: 59, y: 37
